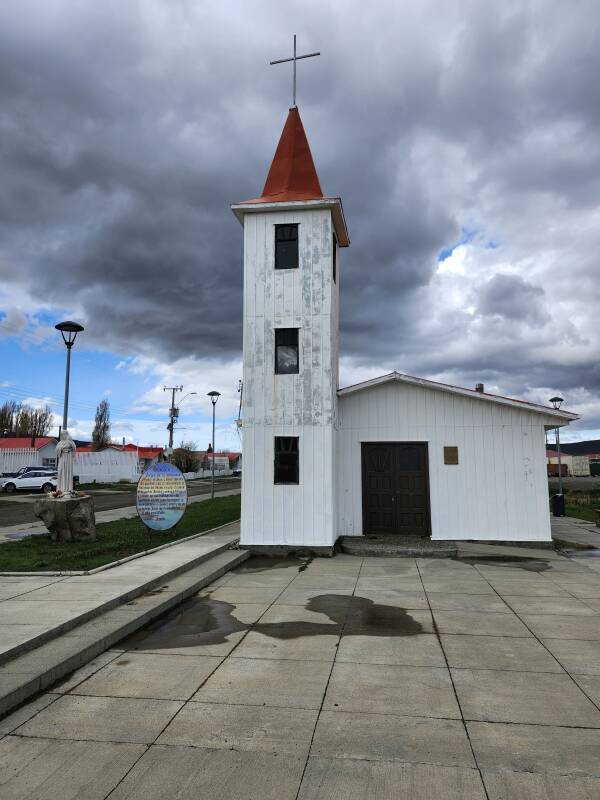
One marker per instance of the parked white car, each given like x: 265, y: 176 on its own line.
x: 30, y: 482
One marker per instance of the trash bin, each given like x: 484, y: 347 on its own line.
x: 558, y: 505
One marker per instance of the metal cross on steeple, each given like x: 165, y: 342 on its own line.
x: 294, y: 59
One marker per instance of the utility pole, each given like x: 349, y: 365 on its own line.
x: 173, y: 412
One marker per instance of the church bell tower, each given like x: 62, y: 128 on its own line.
x: 292, y: 237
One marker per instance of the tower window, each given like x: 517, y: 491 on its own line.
x: 286, y: 460
x: 286, y: 246
x: 334, y: 256
x: 286, y: 351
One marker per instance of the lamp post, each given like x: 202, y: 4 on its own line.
x: 214, y: 396
x: 556, y: 404
x: 69, y: 331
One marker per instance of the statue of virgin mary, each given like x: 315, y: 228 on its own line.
x: 65, y: 454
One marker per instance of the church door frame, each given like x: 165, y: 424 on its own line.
x: 394, y: 528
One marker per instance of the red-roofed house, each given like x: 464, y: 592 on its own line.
x: 27, y: 451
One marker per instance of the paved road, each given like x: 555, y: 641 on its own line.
x: 20, y: 510
x: 576, y: 483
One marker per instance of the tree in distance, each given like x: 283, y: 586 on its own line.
x: 17, y: 419
x: 101, y: 432
x: 184, y: 457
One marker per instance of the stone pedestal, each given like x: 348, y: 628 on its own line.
x: 69, y: 519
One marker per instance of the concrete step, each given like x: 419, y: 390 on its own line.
x: 397, y: 546
x: 145, y: 585
x: 36, y: 670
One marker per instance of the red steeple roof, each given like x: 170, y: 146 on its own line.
x: 292, y: 175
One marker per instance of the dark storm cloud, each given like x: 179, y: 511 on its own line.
x: 126, y: 130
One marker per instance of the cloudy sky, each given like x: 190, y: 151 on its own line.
x: 464, y: 138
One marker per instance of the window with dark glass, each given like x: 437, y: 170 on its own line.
x: 286, y: 459
x: 334, y: 257
x: 286, y: 246
x: 286, y: 351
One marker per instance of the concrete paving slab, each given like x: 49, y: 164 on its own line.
x: 12, y: 588
x: 385, y: 689
x: 478, y: 623
x: 26, y: 712
x: 43, y: 768
x: 259, y: 581
x: 529, y: 587
x: 282, y: 641
x: 190, y: 773
x: 254, y: 596
x: 578, y: 657
x: 457, y: 586
x: 593, y: 603
x: 531, y: 786
x: 498, y: 652
x: 569, y: 606
x: 538, y: 698
x: 163, y: 677
x: 250, y: 681
x: 379, y: 737
x: 264, y: 729
x: 101, y: 719
x: 81, y: 674
x: 293, y: 596
x: 228, y: 643
x: 395, y: 597
x: 535, y: 748
x: 405, y: 568
x: 420, y: 650
x: 281, y: 613
x: 584, y: 591
x: 375, y: 618
x: 555, y: 626
x: 467, y: 602
x: 308, y: 580
x: 590, y: 685
x: 388, y: 583
x: 346, y: 779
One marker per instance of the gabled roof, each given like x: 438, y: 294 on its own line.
x: 565, y: 416
x: 292, y: 175
x: 21, y: 442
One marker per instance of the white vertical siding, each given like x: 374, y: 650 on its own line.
x: 303, y: 405
x: 498, y: 490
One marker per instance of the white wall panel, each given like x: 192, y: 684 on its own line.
x: 303, y: 405
x: 498, y: 490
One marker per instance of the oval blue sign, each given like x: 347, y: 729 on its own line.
x: 161, y: 496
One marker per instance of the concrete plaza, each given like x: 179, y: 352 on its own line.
x: 337, y: 678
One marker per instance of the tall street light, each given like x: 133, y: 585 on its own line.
x: 214, y: 396
x: 69, y: 331
x: 556, y: 404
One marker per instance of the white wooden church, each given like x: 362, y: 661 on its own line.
x: 397, y: 455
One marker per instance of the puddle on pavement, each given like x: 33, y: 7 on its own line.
x: 196, y: 622
x: 266, y: 564
x: 510, y: 562
x: 203, y: 621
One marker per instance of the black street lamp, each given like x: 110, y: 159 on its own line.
x: 69, y: 331
x: 556, y: 404
x: 214, y: 396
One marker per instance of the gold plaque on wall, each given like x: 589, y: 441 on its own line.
x: 450, y: 455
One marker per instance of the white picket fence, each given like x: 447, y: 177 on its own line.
x: 107, y: 466
x: 12, y: 459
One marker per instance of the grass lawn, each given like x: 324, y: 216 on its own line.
x: 115, y: 540
x: 581, y: 512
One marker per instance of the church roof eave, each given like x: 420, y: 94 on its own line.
x: 558, y: 417
x: 333, y: 203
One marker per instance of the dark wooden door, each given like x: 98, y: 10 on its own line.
x: 395, y: 488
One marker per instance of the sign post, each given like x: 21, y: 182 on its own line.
x: 161, y: 496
